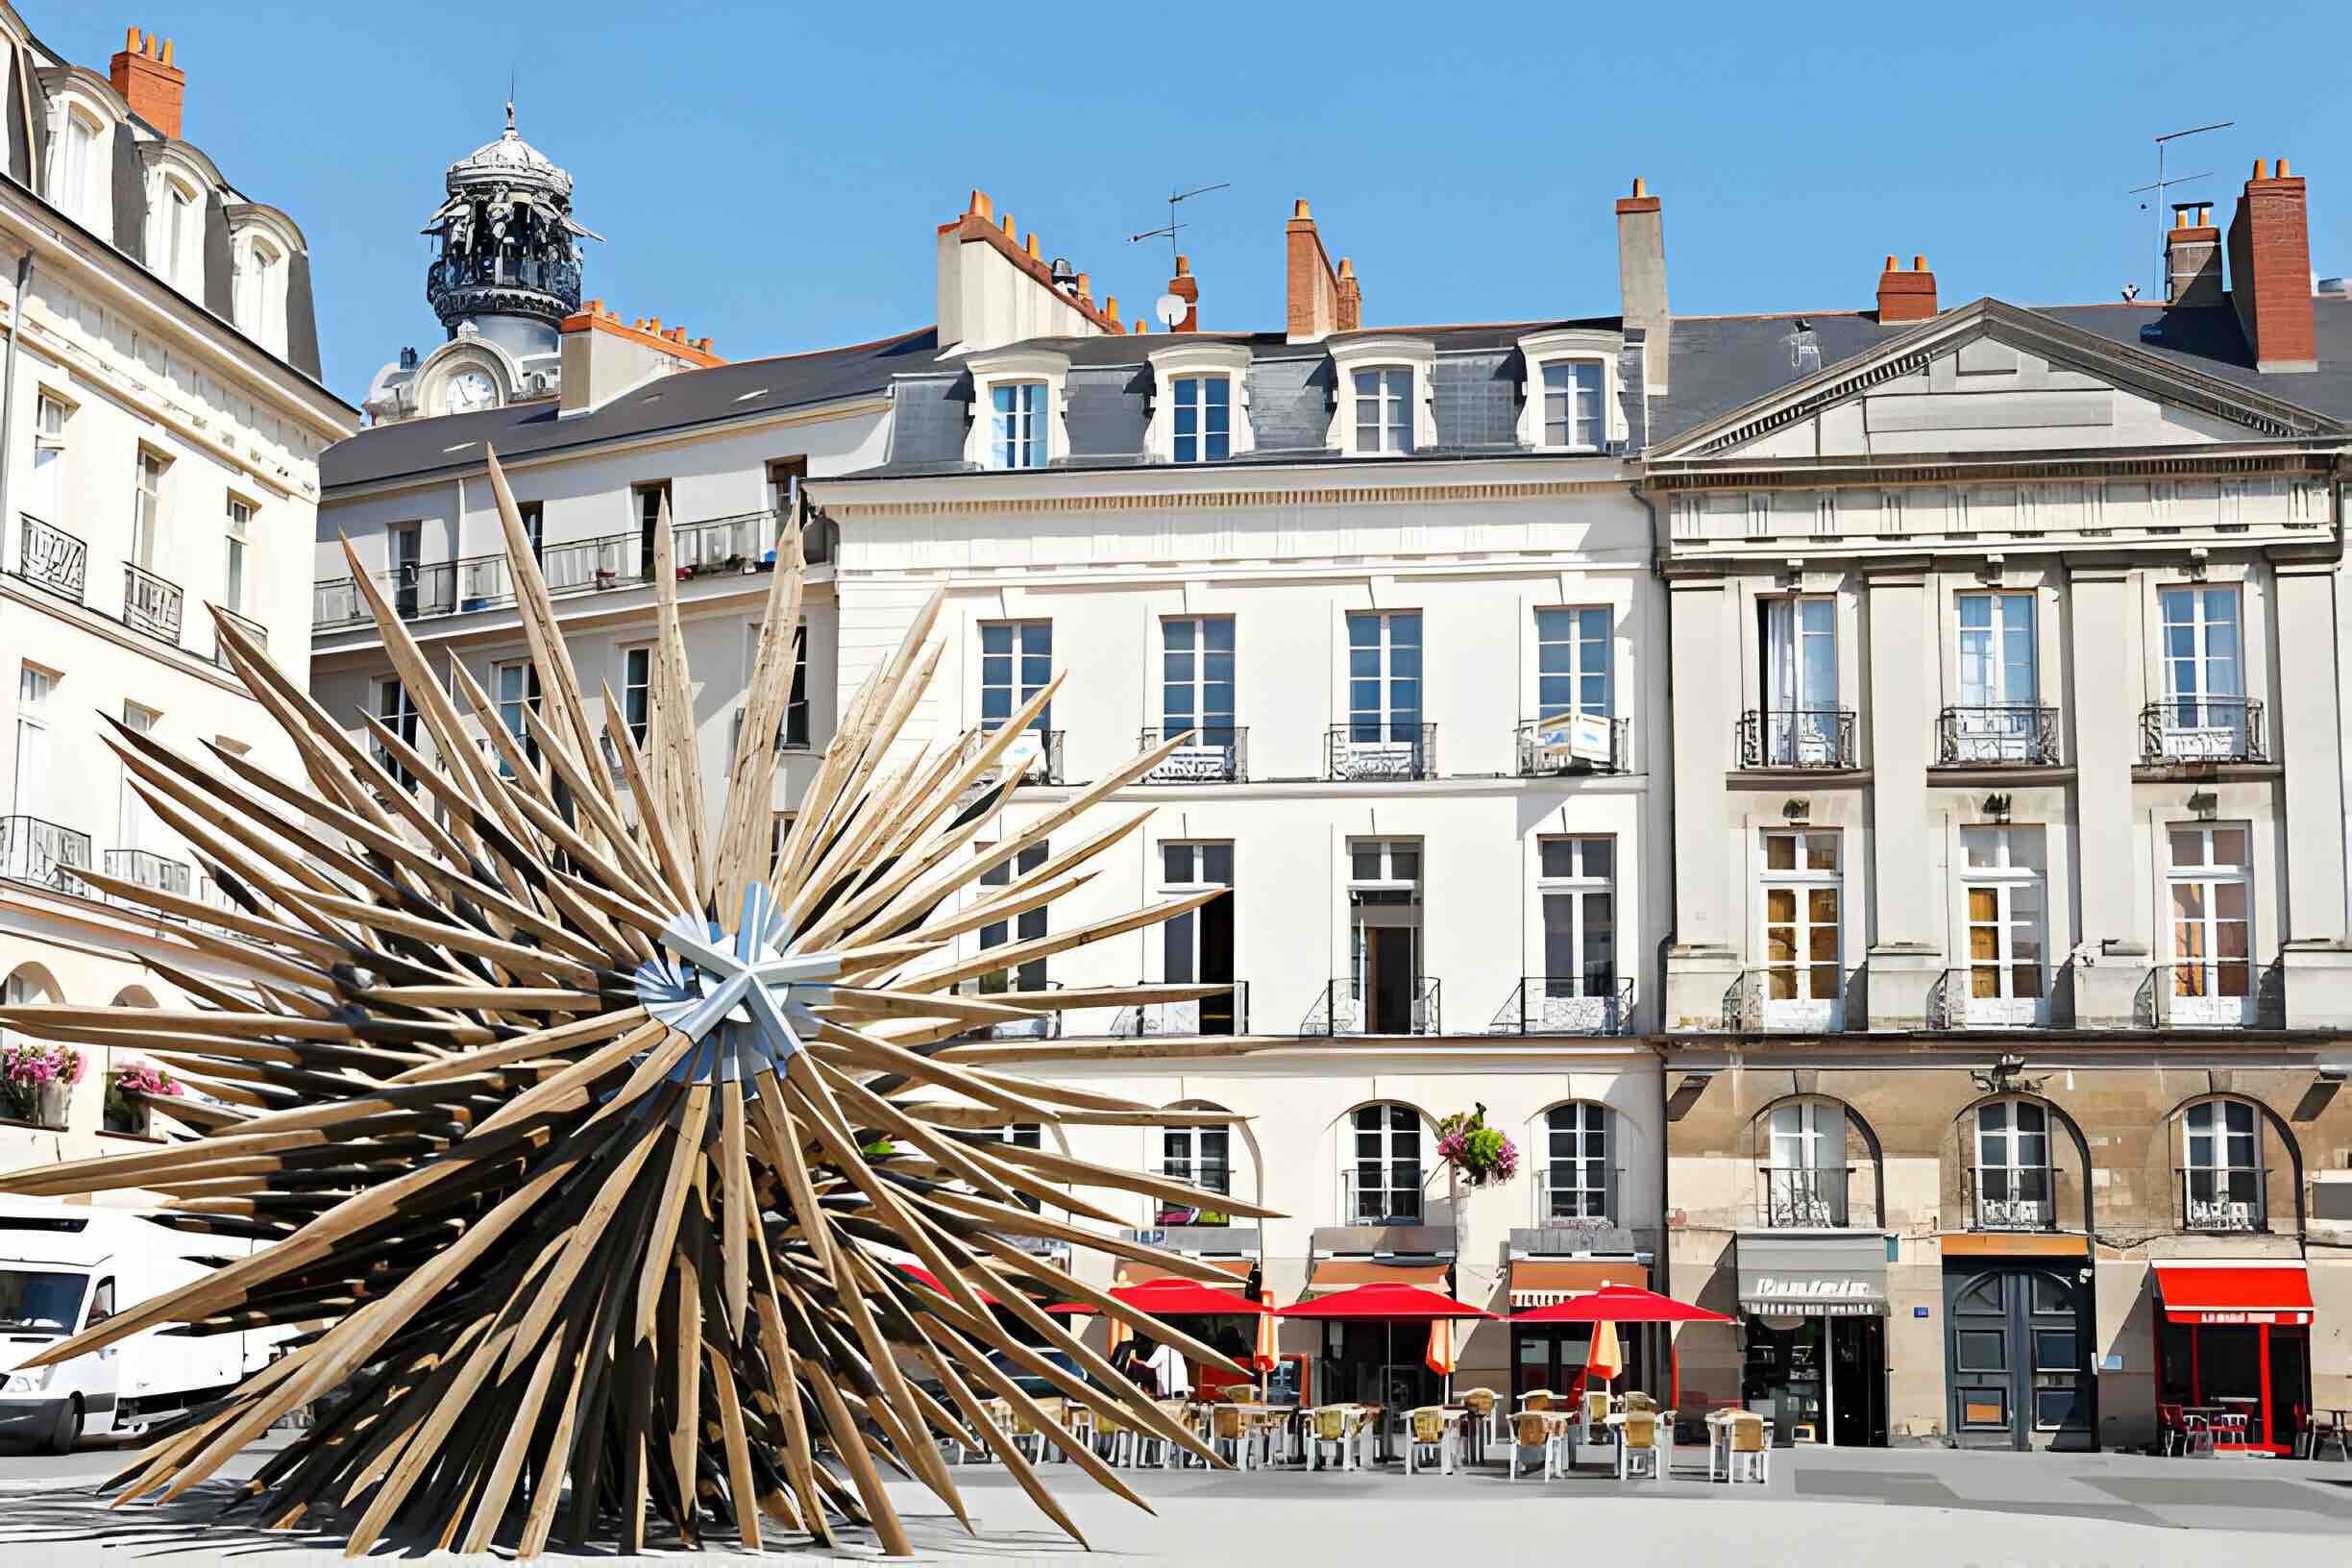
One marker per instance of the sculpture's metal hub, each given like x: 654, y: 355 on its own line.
x: 744, y: 1001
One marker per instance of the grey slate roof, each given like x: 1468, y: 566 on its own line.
x: 696, y: 397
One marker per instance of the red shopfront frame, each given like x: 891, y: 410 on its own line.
x: 2211, y: 1316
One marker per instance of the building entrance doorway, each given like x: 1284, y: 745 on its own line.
x: 2016, y: 1340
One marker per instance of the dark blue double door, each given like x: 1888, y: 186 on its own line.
x: 2018, y: 1342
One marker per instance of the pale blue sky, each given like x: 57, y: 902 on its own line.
x: 773, y: 177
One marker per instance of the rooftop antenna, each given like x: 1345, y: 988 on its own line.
x: 1172, y: 224
x: 2176, y: 179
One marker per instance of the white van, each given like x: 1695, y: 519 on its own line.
x: 65, y: 1266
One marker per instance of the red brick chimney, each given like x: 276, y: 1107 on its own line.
x: 1313, y: 286
x: 144, y: 74
x: 1906, y: 296
x: 1350, y: 297
x: 1186, y: 287
x: 2193, y: 255
x: 2269, y: 266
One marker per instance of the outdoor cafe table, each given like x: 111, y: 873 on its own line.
x: 1718, y: 1424
x: 1391, y: 1304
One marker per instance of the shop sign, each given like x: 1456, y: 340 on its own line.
x: 1814, y: 1287
x: 2208, y: 1318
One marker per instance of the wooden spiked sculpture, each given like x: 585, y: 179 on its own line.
x: 592, y: 1139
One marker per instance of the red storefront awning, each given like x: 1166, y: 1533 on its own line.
x: 2234, y: 1293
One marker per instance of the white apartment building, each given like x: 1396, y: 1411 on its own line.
x: 161, y: 424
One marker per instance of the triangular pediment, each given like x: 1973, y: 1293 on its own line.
x: 1992, y: 378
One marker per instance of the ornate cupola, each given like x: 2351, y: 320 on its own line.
x: 507, y: 261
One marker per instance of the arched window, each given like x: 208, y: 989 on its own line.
x: 2011, y: 1173
x: 2221, y: 1166
x: 1382, y: 1166
x: 1802, y: 1146
x: 1202, y: 1155
x: 1580, y: 1170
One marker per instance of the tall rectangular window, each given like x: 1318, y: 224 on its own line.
x: 2003, y: 880
x: 1386, y: 990
x: 1197, y: 677
x: 1017, y: 430
x: 1028, y: 926
x: 1575, y: 884
x: 146, y: 509
x: 179, y: 229
x: 1016, y: 664
x: 1572, y: 663
x: 2210, y: 898
x: 139, y: 827
x: 1197, y: 946
x: 1802, y: 720
x: 792, y: 733
x: 31, y: 794
x: 533, y: 514
x: 47, y: 498
x: 1999, y: 683
x: 517, y: 689
x: 2204, y: 674
x: 399, y: 714
x: 1383, y: 410
x: 1572, y: 405
x: 1202, y: 426
x: 232, y: 571
x: 637, y: 692
x: 650, y: 500
x: 1802, y: 935
x: 1384, y: 676
x: 74, y: 162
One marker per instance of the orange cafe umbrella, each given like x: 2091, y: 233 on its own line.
x: 1264, y: 1358
x: 1606, y: 1358
x: 1442, y: 1352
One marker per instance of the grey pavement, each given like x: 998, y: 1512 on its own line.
x: 1924, y: 1507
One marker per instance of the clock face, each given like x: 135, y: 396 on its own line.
x: 467, y: 391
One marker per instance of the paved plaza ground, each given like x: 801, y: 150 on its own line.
x: 1915, y: 1508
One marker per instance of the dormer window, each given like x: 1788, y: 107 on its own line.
x: 1572, y: 405
x: 1384, y: 409
x: 74, y: 166
x: 258, y: 287
x: 1016, y: 435
x: 176, y: 252
x: 1203, y: 415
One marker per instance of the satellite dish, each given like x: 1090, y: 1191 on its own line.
x: 1171, y: 309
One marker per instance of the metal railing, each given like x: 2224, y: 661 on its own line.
x: 1391, y: 1203
x: 2002, y: 736
x: 424, y: 590
x: 1751, y: 1005
x: 144, y: 868
x: 2202, y: 729
x: 43, y: 853
x: 1044, y: 1026
x: 210, y: 893
x: 1802, y: 1197
x: 2228, y: 993
x: 1215, y: 755
x: 1565, y: 1004
x: 253, y: 630
x: 49, y: 557
x: 1341, y: 1012
x: 2009, y: 1197
x: 2229, y: 1199
x: 1970, y: 998
x: 150, y: 605
x: 1227, y: 1014
x: 722, y: 544
x: 1796, y: 738
x: 1574, y: 744
x: 1569, y: 1206
x: 1371, y: 751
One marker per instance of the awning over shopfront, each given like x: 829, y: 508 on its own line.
x: 1832, y: 1274
x: 1127, y: 1271
x: 2237, y: 1290
x: 1347, y: 1273
x: 1545, y: 1281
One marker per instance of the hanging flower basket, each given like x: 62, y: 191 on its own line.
x: 38, y: 1080
x: 125, y: 1110
x: 1481, y: 1154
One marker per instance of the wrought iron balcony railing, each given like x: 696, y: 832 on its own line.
x: 2002, y: 736
x: 1410, y: 1009
x: 253, y: 630
x: 43, y: 853
x: 1991, y: 995
x: 1215, y: 755
x: 1802, y: 1197
x: 1574, y: 744
x: 1793, y: 998
x: 144, y: 868
x: 49, y: 557
x: 2202, y: 729
x: 1371, y: 750
x: 1035, y: 758
x: 1797, y: 738
x: 1227, y: 1014
x: 1564, y: 1200
x: 2223, y: 1198
x: 2010, y: 1197
x: 1566, y: 1004
x: 150, y: 605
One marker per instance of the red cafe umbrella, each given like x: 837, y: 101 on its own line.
x: 1384, y: 1303
x: 1173, y: 1297
x: 1625, y: 1304
x: 931, y: 1282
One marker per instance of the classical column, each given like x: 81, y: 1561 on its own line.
x: 2307, y: 739
x: 1906, y: 952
